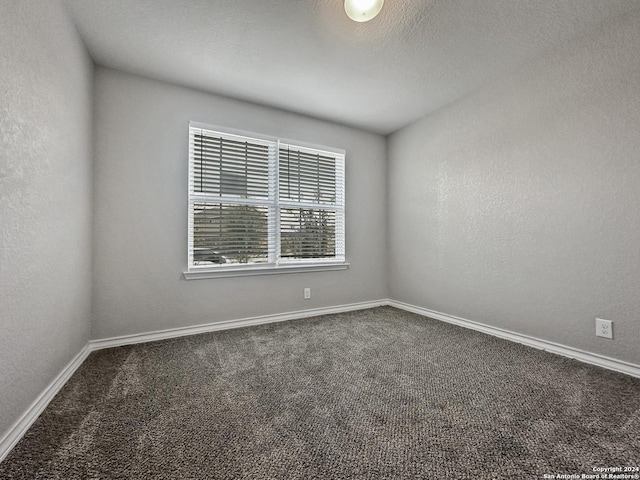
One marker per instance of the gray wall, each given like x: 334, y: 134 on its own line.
x: 519, y: 206
x: 140, y: 234
x: 45, y: 200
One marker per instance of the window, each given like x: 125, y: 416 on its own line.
x: 262, y: 205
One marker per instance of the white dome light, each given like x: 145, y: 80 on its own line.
x: 362, y: 10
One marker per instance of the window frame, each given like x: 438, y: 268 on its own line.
x: 275, y: 264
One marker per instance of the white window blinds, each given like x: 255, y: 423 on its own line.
x: 225, y: 166
x: 256, y: 200
x: 311, y: 203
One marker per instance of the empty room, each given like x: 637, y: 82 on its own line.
x: 319, y: 239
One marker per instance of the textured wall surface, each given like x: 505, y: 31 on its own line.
x: 140, y: 234
x: 518, y: 206
x: 45, y: 200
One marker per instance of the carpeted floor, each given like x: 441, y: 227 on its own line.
x: 374, y: 394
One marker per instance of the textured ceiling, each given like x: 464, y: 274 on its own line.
x: 306, y: 56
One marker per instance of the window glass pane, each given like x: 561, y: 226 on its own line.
x: 229, y: 167
x: 229, y: 233
x: 307, y: 177
x: 307, y: 233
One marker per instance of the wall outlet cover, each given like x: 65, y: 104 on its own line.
x: 604, y: 328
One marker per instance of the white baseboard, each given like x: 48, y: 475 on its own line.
x: 225, y: 325
x: 15, y: 433
x: 580, y: 355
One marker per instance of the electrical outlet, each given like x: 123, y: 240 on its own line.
x: 604, y: 328
x: 307, y: 293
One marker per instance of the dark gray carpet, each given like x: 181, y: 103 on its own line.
x: 375, y: 394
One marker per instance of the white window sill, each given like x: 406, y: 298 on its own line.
x: 245, y: 271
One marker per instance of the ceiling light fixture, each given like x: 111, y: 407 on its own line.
x: 362, y: 10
